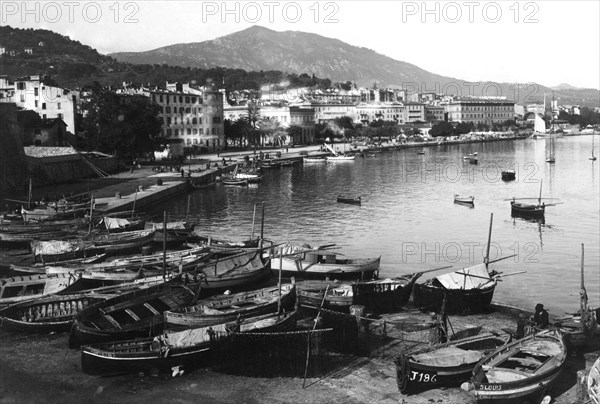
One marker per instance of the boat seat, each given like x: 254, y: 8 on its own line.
x: 499, y: 375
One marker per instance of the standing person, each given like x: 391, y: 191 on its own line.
x: 540, y: 318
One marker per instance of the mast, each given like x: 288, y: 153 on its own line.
x: 487, y: 253
x: 540, y: 197
x: 583, y: 300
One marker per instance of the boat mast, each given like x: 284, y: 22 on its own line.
x: 486, y: 260
x: 540, y: 197
x: 583, y: 300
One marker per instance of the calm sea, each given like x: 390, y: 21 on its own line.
x: 409, y: 218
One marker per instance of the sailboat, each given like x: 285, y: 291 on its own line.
x: 551, y: 158
x: 593, y: 158
x: 579, y: 329
x: 337, y: 156
x: 528, y: 210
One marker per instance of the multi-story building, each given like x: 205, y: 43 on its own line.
x: 434, y: 113
x: 305, y: 119
x: 385, y: 112
x: 192, y: 117
x: 48, y: 101
x: 414, y: 112
x: 481, y: 110
x: 327, y: 112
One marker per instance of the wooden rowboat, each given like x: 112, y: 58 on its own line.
x: 464, y: 200
x: 189, y: 348
x: 444, y: 364
x: 523, y: 370
x: 19, y: 288
x: 47, y: 314
x: 130, y: 315
x: 235, y: 182
x: 226, y: 308
x: 232, y: 271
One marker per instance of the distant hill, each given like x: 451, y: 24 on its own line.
x: 259, y: 48
x: 564, y: 86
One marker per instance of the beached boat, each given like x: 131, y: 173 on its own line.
x: 378, y: 296
x: 122, y: 243
x: 469, y: 290
x: 185, y: 349
x: 234, y: 182
x: 349, y: 200
x: 446, y: 364
x: 232, y: 271
x: 225, y: 308
x: 508, y: 175
x: 62, y: 250
x: 130, y: 315
x: 41, y: 268
x: 18, y: 288
x: 580, y: 328
x: 593, y: 382
x: 523, y: 370
x: 53, y: 313
x: 119, y: 225
x: 464, y: 200
x: 321, y: 262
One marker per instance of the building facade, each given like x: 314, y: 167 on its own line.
x: 414, y: 112
x: 484, y: 111
x: 305, y: 119
x: 382, y: 111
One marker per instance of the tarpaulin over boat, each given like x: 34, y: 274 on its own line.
x: 474, y: 277
x: 191, y: 337
x: 115, y: 223
x: 171, y: 225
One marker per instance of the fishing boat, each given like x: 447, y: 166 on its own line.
x: 579, y: 328
x: 18, y: 288
x: 464, y: 200
x: 23, y: 232
x: 378, y: 296
x: 53, y: 313
x: 41, y: 268
x: 523, y: 370
x: 226, y: 308
x: 251, y: 178
x: 593, y: 382
x: 185, y: 349
x: 340, y: 158
x: 321, y: 262
x: 232, y: 271
x: 528, y: 210
x: 445, y: 364
x: 508, y: 175
x: 469, y: 290
x: 62, y: 250
x: 122, y: 243
x: 234, y: 182
x: 270, y: 163
x: 311, y: 160
x: 135, y: 314
x: 349, y: 200
x: 177, y: 232
x: 204, y: 185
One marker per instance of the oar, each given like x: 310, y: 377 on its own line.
x: 554, y: 204
x: 471, y: 275
x: 520, y: 199
x: 323, y: 247
x: 431, y: 270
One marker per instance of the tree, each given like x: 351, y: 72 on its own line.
x: 125, y: 125
x: 344, y: 122
x: 442, y: 129
x: 294, y: 133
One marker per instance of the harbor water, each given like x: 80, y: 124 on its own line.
x: 408, y: 215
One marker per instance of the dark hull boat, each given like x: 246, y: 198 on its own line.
x: 521, y: 371
x: 224, y: 308
x: 46, y: 314
x: 188, y: 348
x: 526, y: 210
x: 177, y: 233
x: 447, y: 364
x: 348, y: 200
x: 135, y: 314
x: 469, y: 290
x: 232, y: 271
x: 508, y: 175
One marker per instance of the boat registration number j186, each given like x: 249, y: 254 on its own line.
x: 422, y: 377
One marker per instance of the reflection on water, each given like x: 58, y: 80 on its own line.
x: 408, y: 214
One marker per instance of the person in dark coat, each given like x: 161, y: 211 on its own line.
x: 540, y: 318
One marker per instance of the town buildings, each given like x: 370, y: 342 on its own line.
x: 481, y: 110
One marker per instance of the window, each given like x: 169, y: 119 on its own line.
x: 188, y: 141
x: 187, y: 100
x: 43, y: 105
x: 176, y: 132
x: 60, y: 116
x: 169, y: 133
x: 181, y: 110
x: 216, y: 119
x: 35, y: 91
x: 160, y: 98
x: 195, y: 131
x: 180, y: 99
x: 189, y: 131
x: 168, y: 120
x: 213, y: 131
x: 168, y: 110
x: 195, y: 141
x: 58, y: 105
x: 36, y: 103
x: 23, y: 98
x: 44, y: 116
x: 188, y: 110
x: 194, y: 121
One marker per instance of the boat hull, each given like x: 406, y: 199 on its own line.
x: 527, y: 211
x: 459, y: 301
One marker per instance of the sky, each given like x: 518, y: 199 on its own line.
x: 548, y: 42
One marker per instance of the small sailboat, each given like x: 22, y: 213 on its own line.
x: 593, y: 158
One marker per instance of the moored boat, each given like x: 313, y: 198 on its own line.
x: 310, y: 160
x: 18, y: 288
x: 508, y: 175
x: 522, y: 370
x: 321, y: 262
x: 464, y: 200
x: 349, y: 200
x: 445, y: 364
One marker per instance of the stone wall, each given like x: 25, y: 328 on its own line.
x: 14, y: 175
